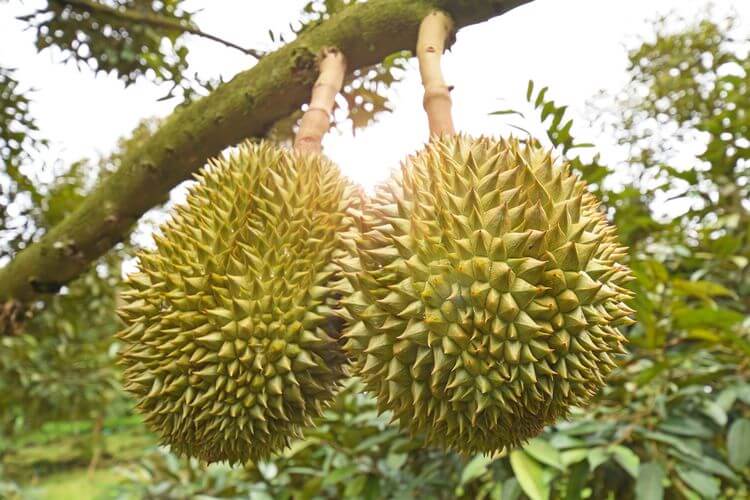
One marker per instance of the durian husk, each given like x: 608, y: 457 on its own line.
x: 231, y: 344
x: 488, y: 294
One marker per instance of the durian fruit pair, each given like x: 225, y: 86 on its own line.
x: 481, y: 286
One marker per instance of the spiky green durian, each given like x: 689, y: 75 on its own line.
x: 488, y: 292
x: 231, y: 342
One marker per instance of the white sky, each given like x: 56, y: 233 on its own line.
x: 577, y: 47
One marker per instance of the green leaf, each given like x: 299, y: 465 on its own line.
x: 707, y: 486
x: 678, y: 443
x: 355, y: 486
x: 738, y: 443
x: 572, y: 456
x: 337, y: 475
x: 475, y: 468
x: 521, y: 129
x: 376, y: 440
x: 685, y: 426
x: 626, y: 458
x: 372, y: 489
x: 396, y: 460
x: 563, y: 441
x: 726, y: 398
x: 507, y: 112
x: 548, y: 109
x: 701, y: 289
x: 529, y: 90
x: 597, y: 456
x: 743, y: 392
x: 511, y: 489
x: 540, y: 97
x: 687, y: 317
x: 558, y: 116
x: 543, y: 452
x: 577, y: 482
x: 586, y: 427
x: 530, y: 475
x: 648, y: 485
x: 706, y: 464
x: 715, y: 413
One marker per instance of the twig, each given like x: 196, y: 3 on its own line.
x: 155, y: 20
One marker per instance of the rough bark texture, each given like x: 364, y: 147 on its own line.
x: 244, y: 107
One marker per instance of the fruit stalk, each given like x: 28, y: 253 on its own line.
x: 435, y: 29
x: 316, y: 120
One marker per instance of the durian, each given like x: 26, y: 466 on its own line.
x: 488, y: 293
x: 231, y: 339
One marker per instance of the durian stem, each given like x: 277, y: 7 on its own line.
x: 317, y: 118
x: 435, y: 29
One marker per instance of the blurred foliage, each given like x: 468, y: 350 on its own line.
x: 352, y: 453
x: 674, y: 421
x: 62, y: 365
x: 131, y: 39
x: 674, y: 417
x: 18, y: 130
x: 19, y: 140
x: 113, y: 35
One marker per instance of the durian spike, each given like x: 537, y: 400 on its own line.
x: 435, y: 29
x: 315, y: 121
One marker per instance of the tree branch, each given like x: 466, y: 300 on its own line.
x: 244, y: 107
x: 155, y: 20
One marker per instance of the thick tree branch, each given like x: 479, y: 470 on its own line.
x: 155, y: 20
x: 244, y: 107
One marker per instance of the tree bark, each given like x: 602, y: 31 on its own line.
x: 244, y: 107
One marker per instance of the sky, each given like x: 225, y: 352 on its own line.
x: 577, y: 47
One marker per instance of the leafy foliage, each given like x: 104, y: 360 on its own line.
x: 18, y: 130
x: 352, y: 453
x: 19, y: 139
x: 62, y: 366
x: 675, y: 412
x: 113, y: 36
